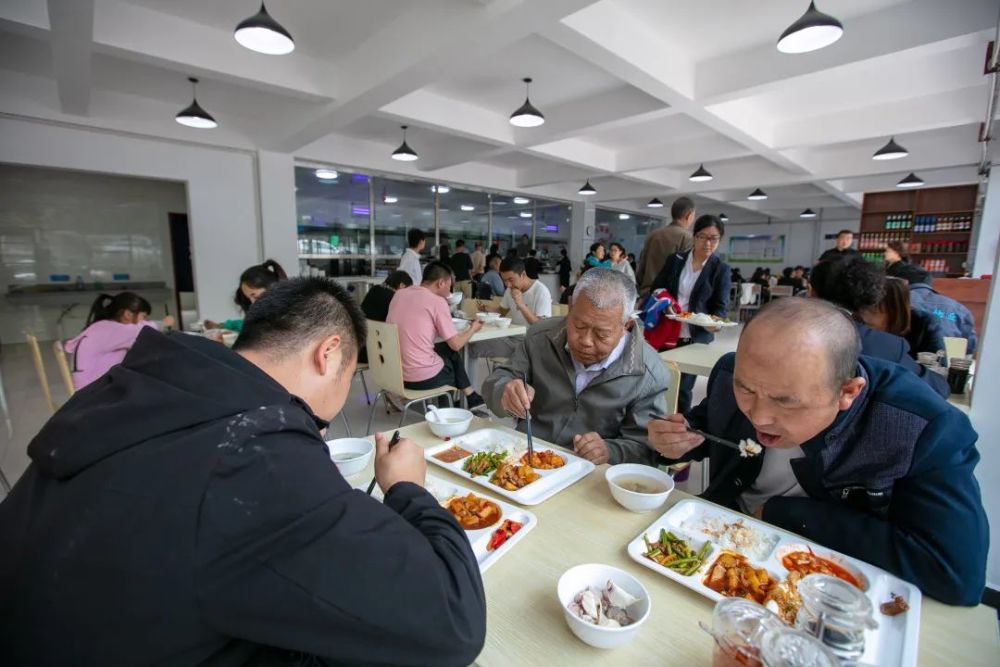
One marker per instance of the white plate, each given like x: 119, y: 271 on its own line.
x: 442, y: 489
x: 700, y: 320
x: 892, y: 644
x: 487, y: 439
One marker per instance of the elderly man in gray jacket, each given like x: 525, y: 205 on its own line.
x: 592, y: 381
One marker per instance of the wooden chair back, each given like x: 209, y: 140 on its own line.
x: 63, y: 363
x: 43, y: 380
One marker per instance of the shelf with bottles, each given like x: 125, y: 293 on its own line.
x: 935, y: 265
x: 938, y: 247
x: 879, y: 240
x: 875, y: 257
x: 936, y: 224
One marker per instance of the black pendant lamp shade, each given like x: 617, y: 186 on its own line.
x: 814, y: 30
x: 911, y: 181
x: 654, y: 203
x: 527, y: 115
x: 891, y: 151
x: 757, y: 195
x: 723, y: 217
x: 700, y: 175
x: 193, y: 115
x: 263, y: 34
x: 808, y: 213
x: 588, y: 189
x: 404, y: 153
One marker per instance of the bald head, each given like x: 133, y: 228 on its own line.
x: 799, y: 325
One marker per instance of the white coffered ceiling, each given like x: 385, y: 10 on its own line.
x: 636, y: 93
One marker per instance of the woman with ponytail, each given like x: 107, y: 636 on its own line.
x: 253, y: 282
x: 113, y: 324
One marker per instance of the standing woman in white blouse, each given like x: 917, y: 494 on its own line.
x: 619, y: 260
x: 700, y: 282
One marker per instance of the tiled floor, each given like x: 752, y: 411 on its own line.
x: 28, y: 410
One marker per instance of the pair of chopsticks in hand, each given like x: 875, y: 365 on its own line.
x: 392, y: 443
x: 707, y: 436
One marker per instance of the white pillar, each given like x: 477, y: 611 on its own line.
x: 581, y: 234
x: 983, y: 253
x: 278, y: 216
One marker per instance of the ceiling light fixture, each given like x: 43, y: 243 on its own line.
x: 808, y: 213
x: 911, y: 181
x: 193, y: 115
x: 521, y: 200
x: 389, y: 199
x: 624, y: 216
x: 440, y: 189
x: 468, y: 207
x: 700, y: 175
x: 525, y: 214
x: 527, y: 115
x: 891, y: 151
x: 263, y: 34
x: 587, y: 189
x: 723, y: 217
x: 404, y: 153
x: 326, y: 174
x: 757, y: 195
x: 814, y: 30
x: 654, y: 203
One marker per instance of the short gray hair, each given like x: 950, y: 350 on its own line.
x: 607, y: 288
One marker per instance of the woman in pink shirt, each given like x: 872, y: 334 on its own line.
x: 113, y: 325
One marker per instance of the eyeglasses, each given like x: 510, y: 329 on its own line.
x: 710, y: 239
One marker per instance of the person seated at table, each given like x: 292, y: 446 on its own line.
x: 855, y: 284
x: 375, y: 305
x: 592, y: 383
x: 596, y: 257
x: 422, y: 315
x: 955, y: 319
x: 532, y: 266
x: 253, y: 283
x: 113, y: 324
x: 184, y: 510
x: 858, y: 454
x: 894, y: 315
x: 492, y: 278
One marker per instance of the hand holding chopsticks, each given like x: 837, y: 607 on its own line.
x: 392, y: 443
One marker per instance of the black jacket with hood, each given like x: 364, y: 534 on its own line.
x: 183, y: 510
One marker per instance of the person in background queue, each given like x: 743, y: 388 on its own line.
x: 461, y: 264
x: 700, y: 282
x: 253, y: 283
x: 565, y: 269
x: 855, y: 284
x: 842, y: 248
x: 478, y: 260
x: 858, y: 454
x: 522, y: 248
x: 532, y: 267
x: 593, y: 384
x: 619, y: 260
x: 113, y: 324
x: 214, y: 529
x: 416, y: 240
x: 664, y: 242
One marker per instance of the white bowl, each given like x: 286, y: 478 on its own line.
x: 500, y: 322
x: 575, y: 579
x: 229, y: 337
x: 342, y: 448
x: 460, y: 324
x: 486, y: 317
x: 633, y: 500
x: 455, y: 298
x: 458, y: 422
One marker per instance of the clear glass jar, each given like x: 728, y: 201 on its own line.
x: 737, y: 626
x: 836, y: 613
x: 786, y: 647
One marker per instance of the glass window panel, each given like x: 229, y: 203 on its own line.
x: 399, y: 207
x: 333, y: 221
x: 630, y: 232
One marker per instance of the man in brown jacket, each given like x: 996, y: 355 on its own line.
x: 664, y: 242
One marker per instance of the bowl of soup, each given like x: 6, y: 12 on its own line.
x: 637, y: 487
x: 351, y: 455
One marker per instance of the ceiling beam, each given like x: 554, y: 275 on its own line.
x: 72, y: 33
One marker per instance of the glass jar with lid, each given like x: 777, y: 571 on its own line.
x: 835, y: 612
x: 787, y: 647
x: 737, y: 626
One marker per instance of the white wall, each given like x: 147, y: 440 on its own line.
x: 804, y: 241
x: 276, y: 179
x: 222, y: 196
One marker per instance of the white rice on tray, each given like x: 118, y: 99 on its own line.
x: 735, y: 536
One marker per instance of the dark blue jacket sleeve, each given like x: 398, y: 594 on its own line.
x: 718, y: 303
x: 935, y: 534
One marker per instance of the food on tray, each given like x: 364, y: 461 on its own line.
x: 749, y: 447
x: 502, y: 534
x: 544, y: 460
x: 806, y: 562
x: 894, y: 607
x: 483, y: 463
x: 730, y: 656
x: 672, y: 552
x: 607, y: 607
x: 735, y: 536
x: 732, y: 575
x: 639, y: 484
x: 473, y: 512
x: 784, y: 599
x: 513, y: 477
x: 452, y: 454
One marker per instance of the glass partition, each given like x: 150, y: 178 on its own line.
x: 629, y: 229
x: 333, y: 221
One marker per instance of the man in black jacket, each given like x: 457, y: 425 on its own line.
x: 843, y: 247
x: 183, y: 510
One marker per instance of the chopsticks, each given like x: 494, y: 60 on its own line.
x: 707, y: 436
x: 392, y: 443
x: 527, y: 424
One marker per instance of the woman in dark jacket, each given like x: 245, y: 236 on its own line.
x: 894, y: 315
x: 897, y: 259
x: 700, y: 283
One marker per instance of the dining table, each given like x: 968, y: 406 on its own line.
x: 584, y: 524
x: 696, y: 358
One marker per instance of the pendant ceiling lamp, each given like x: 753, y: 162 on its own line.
x: 263, y: 34
x: 814, y: 30
x: 654, y: 203
x: 193, y: 115
x: 723, y: 217
x: 404, y: 153
x: 527, y: 115
x: 911, y: 181
x: 587, y: 189
x: 891, y: 151
x: 757, y: 195
x: 808, y: 213
x: 700, y: 175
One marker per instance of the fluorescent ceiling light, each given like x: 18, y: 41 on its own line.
x: 468, y: 207
x: 389, y: 199
x: 525, y: 214
x: 624, y: 216
x: 326, y: 174
x: 193, y: 115
x: 527, y: 115
x: 263, y: 34
x: 814, y: 30
x: 520, y: 200
x: 440, y: 189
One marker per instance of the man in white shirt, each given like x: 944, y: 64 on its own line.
x: 410, y: 262
x: 478, y: 260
